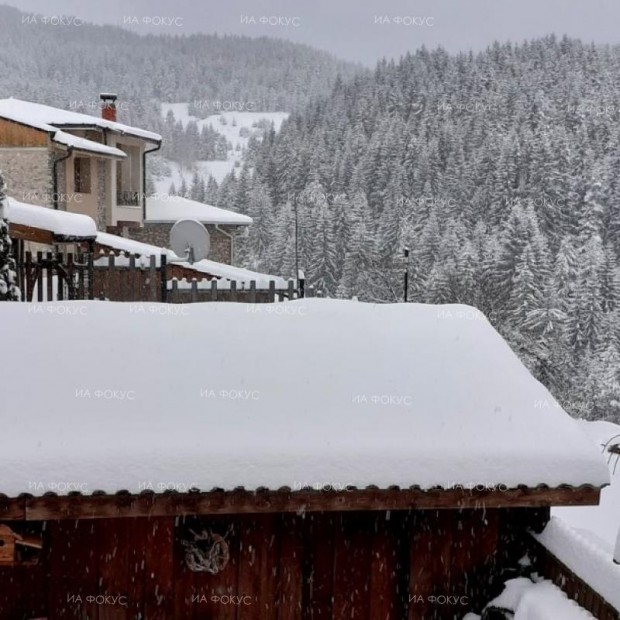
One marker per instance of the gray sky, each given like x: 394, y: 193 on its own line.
x: 358, y: 30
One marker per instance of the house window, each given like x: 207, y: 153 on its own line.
x: 81, y: 175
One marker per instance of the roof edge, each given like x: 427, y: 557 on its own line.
x: 240, y: 501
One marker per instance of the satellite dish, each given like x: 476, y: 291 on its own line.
x: 190, y: 239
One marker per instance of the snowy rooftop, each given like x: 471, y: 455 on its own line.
x: 49, y: 118
x: 207, y: 267
x: 60, y: 223
x: 173, y: 208
x: 306, y: 392
x: 89, y: 146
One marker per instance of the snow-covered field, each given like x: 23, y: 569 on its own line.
x: 235, y: 122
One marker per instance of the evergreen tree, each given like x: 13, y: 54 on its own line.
x: 8, y: 277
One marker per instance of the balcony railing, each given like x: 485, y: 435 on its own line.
x: 127, y: 198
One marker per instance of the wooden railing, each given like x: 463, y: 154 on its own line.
x: 127, y: 198
x: 57, y: 277
x: 550, y: 567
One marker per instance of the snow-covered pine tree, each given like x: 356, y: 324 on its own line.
x: 8, y: 277
x: 322, y: 268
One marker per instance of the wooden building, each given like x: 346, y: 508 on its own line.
x: 315, y: 459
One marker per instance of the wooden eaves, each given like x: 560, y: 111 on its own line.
x: 263, y: 501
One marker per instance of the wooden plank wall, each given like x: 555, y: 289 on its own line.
x: 14, y: 134
x: 318, y: 566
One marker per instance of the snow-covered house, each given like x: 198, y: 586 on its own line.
x: 314, y: 458
x: 95, y: 166
x: 75, y: 162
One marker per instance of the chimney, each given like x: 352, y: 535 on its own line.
x: 108, y: 106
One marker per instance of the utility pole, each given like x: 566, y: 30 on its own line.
x: 406, y: 292
x: 296, y: 249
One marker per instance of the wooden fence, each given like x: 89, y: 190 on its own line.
x: 572, y: 585
x: 56, y: 277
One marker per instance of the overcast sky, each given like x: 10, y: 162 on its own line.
x: 358, y: 30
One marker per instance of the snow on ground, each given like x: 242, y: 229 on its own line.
x: 536, y: 601
x: 232, y: 132
x: 600, y: 523
x: 228, y: 394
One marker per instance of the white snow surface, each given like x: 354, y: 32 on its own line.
x: 54, y: 220
x: 584, y: 557
x: 601, y: 523
x: 243, y: 277
x: 218, y: 169
x: 310, y: 391
x: 538, y: 601
x: 43, y: 116
x: 167, y: 209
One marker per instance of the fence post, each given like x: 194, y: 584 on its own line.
x: 90, y: 257
x: 28, y: 277
x: 164, y: 278
x: 152, y: 276
x: 111, y: 278
x: 252, y: 295
x: 131, y: 278
x: 233, y: 290
x: 70, y: 277
x: 194, y: 291
x: 47, y: 271
x: 81, y: 288
x: 291, y: 290
x: 214, y: 289
x: 272, y: 291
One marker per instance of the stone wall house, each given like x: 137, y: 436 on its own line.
x: 75, y: 162
x: 93, y: 165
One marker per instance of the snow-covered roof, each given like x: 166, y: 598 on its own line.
x: 43, y: 116
x: 312, y: 391
x: 167, y: 209
x: 207, y: 267
x: 89, y: 146
x: 60, y: 223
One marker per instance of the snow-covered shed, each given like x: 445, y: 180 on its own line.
x: 316, y: 454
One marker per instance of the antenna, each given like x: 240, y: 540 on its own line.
x: 190, y: 240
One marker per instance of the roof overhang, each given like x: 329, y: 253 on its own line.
x: 263, y: 501
x: 206, y: 222
x: 44, y: 236
x: 95, y: 127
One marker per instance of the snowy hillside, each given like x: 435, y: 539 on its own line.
x: 235, y: 127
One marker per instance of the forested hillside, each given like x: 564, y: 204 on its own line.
x: 64, y: 64
x: 498, y: 170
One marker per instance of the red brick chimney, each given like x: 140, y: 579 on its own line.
x: 108, y: 106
